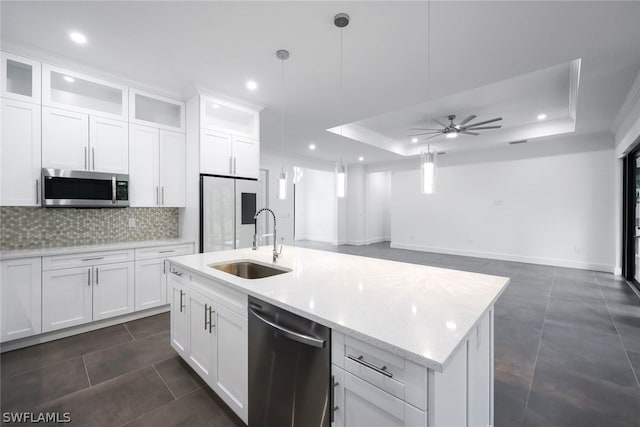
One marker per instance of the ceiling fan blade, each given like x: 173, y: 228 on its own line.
x: 484, y: 127
x: 467, y: 120
x: 424, y: 129
x: 425, y: 133
x: 440, y: 123
x: 470, y: 133
x: 424, y: 139
x: 484, y: 123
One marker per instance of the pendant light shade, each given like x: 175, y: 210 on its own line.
x: 282, y: 185
x: 428, y: 165
x: 341, y: 180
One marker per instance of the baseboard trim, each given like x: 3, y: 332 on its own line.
x: 506, y: 257
x: 80, y: 329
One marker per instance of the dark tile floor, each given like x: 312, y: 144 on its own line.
x: 567, y: 344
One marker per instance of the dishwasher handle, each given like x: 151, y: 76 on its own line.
x: 301, y: 338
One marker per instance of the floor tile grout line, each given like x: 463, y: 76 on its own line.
x: 163, y: 381
x: 127, y: 328
x: 161, y: 406
x: 86, y: 370
x: 135, y: 370
x: 126, y: 342
x: 624, y: 348
x: 535, y: 362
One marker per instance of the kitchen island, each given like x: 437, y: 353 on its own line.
x: 427, y: 330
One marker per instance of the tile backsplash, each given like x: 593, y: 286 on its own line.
x: 35, y: 227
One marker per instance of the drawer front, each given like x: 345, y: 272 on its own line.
x: 232, y: 299
x: 391, y: 373
x: 164, y: 251
x: 179, y: 275
x: 57, y: 262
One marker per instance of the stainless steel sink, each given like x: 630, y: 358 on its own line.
x: 249, y: 270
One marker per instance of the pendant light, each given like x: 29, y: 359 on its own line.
x: 428, y: 159
x: 341, y: 20
x: 428, y: 164
x: 282, y: 55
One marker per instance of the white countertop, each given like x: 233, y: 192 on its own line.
x: 63, y: 250
x: 421, y: 313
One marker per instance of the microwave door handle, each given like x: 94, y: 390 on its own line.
x: 113, y: 190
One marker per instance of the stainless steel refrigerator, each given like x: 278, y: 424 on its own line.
x: 227, y: 207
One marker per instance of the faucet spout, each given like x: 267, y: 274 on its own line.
x: 276, y: 253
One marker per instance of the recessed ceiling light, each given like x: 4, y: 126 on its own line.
x: 452, y: 135
x: 215, y: 105
x: 312, y: 146
x: 69, y: 79
x: 414, y: 140
x: 542, y: 116
x: 360, y: 159
x: 251, y: 85
x: 78, y: 37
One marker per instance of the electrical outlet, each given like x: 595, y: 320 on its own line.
x: 132, y: 223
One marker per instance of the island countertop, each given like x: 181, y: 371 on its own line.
x: 421, y: 313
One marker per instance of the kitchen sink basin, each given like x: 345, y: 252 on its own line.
x: 249, y: 269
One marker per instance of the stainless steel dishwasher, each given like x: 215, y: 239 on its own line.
x: 289, y: 369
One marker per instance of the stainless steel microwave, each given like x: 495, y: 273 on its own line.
x: 81, y: 189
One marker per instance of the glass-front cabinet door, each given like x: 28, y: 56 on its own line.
x: 20, y: 78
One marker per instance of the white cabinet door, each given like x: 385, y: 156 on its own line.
x: 113, y: 290
x: 143, y: 166
x: 179, y: 316
x: 20, y: 78
x: 66, y: 298
x: 231, y: 378
x: 202, y: 356
x: 65, y: 139
x: 366, y: 405
x: 479, y: 368
x: 246, y: 157
x: 20, y: 296
x: 150, y: 283
x: 109, y: 144
x: 20, y: 154
x: 215, y: 153
x: 172, y: 169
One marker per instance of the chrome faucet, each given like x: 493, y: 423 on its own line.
x: 276, y: 254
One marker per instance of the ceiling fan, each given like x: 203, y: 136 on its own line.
x: 453, y: 129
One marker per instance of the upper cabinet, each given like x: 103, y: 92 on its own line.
x: 229, y: 117
x: 229, y: 138
x: 157, y: 111
x: 68, y: 90
x: 20, y: 78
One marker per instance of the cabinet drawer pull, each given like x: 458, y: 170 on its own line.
x: 93, y: 157
x: 93, y: 259
x: 181, y: 305
x: 89, y: 277
x: 177, y: 273
x: 97, y: 277
x: 360, y: 360
x: 85, y: 158
x: 166, y: 252
x: 206, y: 314
x: 37, y: 191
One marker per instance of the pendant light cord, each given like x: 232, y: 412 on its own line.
x: 282, y: 111
x: 341, y: 83
x: 428, y: 56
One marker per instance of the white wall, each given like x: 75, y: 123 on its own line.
x: 378, y: 206
x: 315, y: 206
x: 548, y: 202
x: 284, y: 208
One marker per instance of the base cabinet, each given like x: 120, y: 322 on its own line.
x: 150, y: 280
x: 20, y: 297
x: 113, y: 290
x: 212, y: 338
x: 67, y: 297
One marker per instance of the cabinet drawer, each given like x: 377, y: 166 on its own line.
x: 232, y: 299
x: 86, y: 259
x: 391, y: 373
x: 179, y: 275
x: 164, y: 251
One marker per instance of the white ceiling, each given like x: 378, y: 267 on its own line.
x: 219, y: 45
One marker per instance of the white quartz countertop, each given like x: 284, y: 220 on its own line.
x: 63, y: 250
x: 421, y: 313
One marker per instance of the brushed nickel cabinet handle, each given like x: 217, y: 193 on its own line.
x: 166, y: 251
x: 162, y: 192
x: 93, y: 259
x: 360, y: 360
x: 211, y: 316
x: 85, y: 158
x: 206, y: 313
x: 37, y: 191
x: 93, y: 157
x: 157, y: 195
x: 181, y: 305
x: 89, y: 277
x: 97, y: 277
x: 230, y: 165
x: 333, y: 397
x: 235, y: 171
